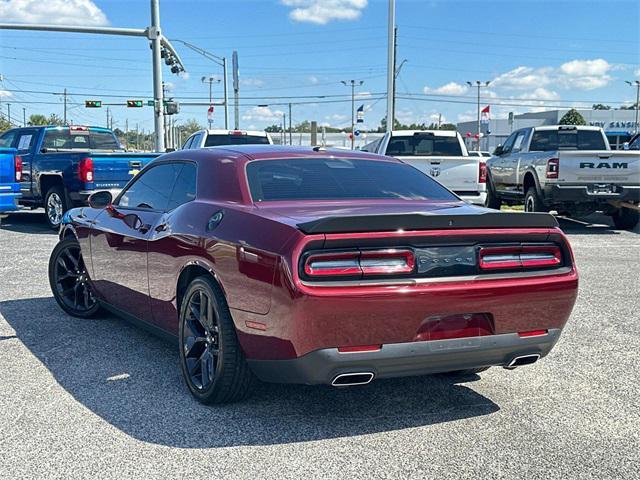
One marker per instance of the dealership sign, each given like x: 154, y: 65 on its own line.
x: 613, y: 124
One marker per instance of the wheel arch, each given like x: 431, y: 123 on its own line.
x: 190, y: 271
x: 46, y: 181
x: 529, y: 180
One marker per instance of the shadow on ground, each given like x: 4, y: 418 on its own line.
x: 26, y: 222
x: 132, y: 380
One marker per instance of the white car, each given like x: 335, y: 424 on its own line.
x: 216, y: 138
x: 481, y: 153
x: 441, y: 154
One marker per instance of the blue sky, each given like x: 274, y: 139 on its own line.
x: 537, y: 55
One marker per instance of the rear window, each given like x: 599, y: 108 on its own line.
x: 549, y: 140
x: 424, y: 144
x: 340, y: 179
x: 85, y: 140
x: 216, y: 140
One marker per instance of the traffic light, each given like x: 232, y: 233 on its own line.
x: 134, y: 103
x: 93, y: 103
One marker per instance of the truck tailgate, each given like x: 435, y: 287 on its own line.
x: 459, y: 174
x: 114, y: 170
x: 597, y: 166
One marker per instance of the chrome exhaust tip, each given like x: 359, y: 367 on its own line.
x: 522, y: 360
x: 352, y: 379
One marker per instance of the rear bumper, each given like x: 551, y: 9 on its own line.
x: 405, y: 359
x: 9, y: 195
x: 581, y: 194
x: 475, y: 198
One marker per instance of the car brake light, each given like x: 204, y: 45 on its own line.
x: 333, y: 264
x: 378, y: 262
x: 361, y: 348
x: 497, y: 258
x: 553, y: 167
x: 237, y: 132
x: 18, y: 168
x: 85, y: 170
x: 482, y: 172
x: 533, y: 333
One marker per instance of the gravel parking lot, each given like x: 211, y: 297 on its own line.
x: 101, y: 398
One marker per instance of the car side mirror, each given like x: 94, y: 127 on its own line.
x: 498, y: 151
x: 625, y: 146
x: 101, y: 199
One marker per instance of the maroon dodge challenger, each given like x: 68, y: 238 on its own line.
x: 314, y: 266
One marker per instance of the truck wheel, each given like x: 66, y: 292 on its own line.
x: 625, y: 218
x: 492, y: 201
x: 533, y: 202
x: 55, y: 204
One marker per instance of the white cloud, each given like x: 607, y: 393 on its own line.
x: 336, y: 118
x: 251, y: 82
x: 361, y: 95
x: 263, y: 114
x: 576, y: 74
x: 322, y: 12
x: 59, y: 12
x: 4, y: 93
x: 435, y: 117
x: 451, y: 88
x: 466, y: 116
x: 541, y: 94
x: 637, y: 73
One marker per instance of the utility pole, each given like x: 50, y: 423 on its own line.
x: 107, y: 117
x: 636, y: 83
x: 290, y: 140
x: 439, y: 120
x: 210, y: 80
x: 391, y: 62
x: 64, y: 117
x: 284, y: 128
x: 9, y: 112
x: 236, y: 91
x: 478, y: 84
x: 137, y: 138
x: 24, y: 117
x: 353, y: 84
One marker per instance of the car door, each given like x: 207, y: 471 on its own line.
x: 498, y: 165
x: 119, y: 239
x: 25, y: 144
x: 512, y: 162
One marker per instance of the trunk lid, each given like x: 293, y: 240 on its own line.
x: 459, y: 173
x: 114, y: 170
x: 599, y: 166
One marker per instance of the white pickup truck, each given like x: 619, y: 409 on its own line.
x: 570, y: 169
x: 217, y: 138
x: 441, y: 154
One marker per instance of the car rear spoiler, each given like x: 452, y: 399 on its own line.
x: 419, y: 221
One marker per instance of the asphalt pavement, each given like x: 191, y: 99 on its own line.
x: 103, y: 399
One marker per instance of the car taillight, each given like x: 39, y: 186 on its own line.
x: 553, y: 167
x: 237, y: 132
x: 85, y: 170
x: 378, y: 262
x: 482, y: 172
x: 18, y: 168
x: 497, y: 258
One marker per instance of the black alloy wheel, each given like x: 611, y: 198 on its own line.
x: 212, y: 362
x: 70, y: 281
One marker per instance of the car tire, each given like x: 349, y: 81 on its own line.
x: 625, y: 218
x: 212, y: 362
x: 70, y: 282
x: 492, y: 200
x: 55, y: 205
x: 533, y: 202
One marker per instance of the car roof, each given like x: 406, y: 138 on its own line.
x: 568, y: 127
x: 220, y: 131
x: 263, y: 152
x: 408, y: 133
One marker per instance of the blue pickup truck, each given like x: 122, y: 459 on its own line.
x: 62, y: 166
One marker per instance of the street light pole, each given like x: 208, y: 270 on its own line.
x: 353, y: 84
x: 156, y: 55
x: 211, y: 79
x: 636, y: 83
x: 391, y: 62
x: 479, y: 84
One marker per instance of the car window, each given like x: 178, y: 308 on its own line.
x: 152, y: 188
x: 230, y: 139
x: 197, y: 139
x: 184, y: 189
x: 517, y: 143
x: 338, y: 179
x: 570, y: 139
x: 7, y: 139
x: 26, y: 139
x: 63, y: 138
x: 187, y: 144
x: 424, y: 144
x: 506, y: 147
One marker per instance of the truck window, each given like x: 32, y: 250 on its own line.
x: 550, y: 140
x: 6, y: 140
x: 86, y: 140
x: 424, y: 144
x: 216, y: 140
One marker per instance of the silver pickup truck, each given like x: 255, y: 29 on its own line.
x: 570, y: 169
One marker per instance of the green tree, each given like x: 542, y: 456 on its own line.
x: 573, y: 117
x: 189, y: 127
x: 37, y: 119
x: 448, y: 126
x: 275, y: 128
x: 55, y: 120
x: 633, y: 106
x: 4, y: 125
x: 600, y: 106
